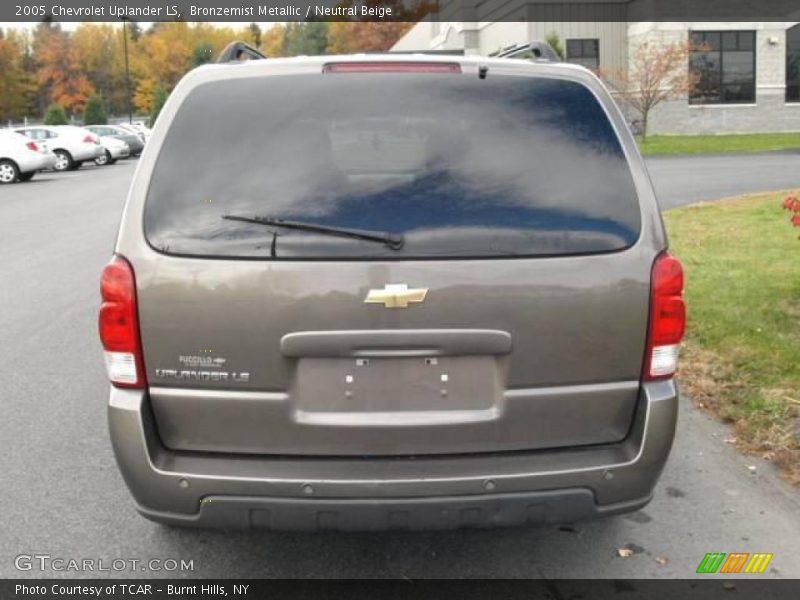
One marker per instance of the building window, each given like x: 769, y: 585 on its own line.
x: 723, y: 66
x: 793, y: 64
x: 584, y: 52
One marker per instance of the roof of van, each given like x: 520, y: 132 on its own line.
x: 469, y: 61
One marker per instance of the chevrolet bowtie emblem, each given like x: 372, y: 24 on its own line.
x: 396, y: 295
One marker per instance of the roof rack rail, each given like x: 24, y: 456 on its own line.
x: 534, y: 50
x: 237, y: 52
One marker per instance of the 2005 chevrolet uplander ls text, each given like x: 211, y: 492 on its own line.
x: 407, y: 292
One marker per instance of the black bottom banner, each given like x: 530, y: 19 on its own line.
x: 629, y: 589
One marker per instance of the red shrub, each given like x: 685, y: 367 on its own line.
x: 792, y: 204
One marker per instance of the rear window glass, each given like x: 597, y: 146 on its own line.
x: 439, y: 165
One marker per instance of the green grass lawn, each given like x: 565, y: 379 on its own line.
x: 742, y: 352
x: 712, y: 144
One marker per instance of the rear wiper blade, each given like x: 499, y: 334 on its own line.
x: 392, y: 240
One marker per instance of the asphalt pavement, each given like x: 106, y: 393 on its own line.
x: 62, y: 495
x: 683, y: 180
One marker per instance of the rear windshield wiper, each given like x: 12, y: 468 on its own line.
x: 392, y: 240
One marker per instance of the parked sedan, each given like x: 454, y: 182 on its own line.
x: 21, y: 158
x: 113, y: 150
x: 135, y: 141
x: 71, y: 145
x: 139, y: 128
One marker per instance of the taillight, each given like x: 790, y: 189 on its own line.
x: 392, y: 67
x: 90, y: 139
x: 32, y: 146
x: 667, y: 318
x: 119, y: 325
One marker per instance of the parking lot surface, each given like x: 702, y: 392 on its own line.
x: 62, y: 495
x: 683, y: 180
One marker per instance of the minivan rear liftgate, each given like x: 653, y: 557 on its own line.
x: 551, y: 358
x: 410, y: 261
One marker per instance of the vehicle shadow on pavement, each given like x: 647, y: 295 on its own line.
x: 533, y: 551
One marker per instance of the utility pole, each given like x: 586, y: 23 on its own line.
x: 127, y: 70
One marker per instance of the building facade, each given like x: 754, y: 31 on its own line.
x: 747, y: 74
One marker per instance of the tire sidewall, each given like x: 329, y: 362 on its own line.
x: 104, y: 160
x: 65, y: 156
x: 14, y: 170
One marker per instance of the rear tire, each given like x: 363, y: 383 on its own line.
x: 9, y: 172
x: 76, y: 165
x: 103, y: 160
x: 64, y: 161
x: 27, y: 176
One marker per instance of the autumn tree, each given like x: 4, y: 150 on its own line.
x: 99, y: 51
x: 272, y: 41
x: 656, y: 72
x: 16, y: 85
x: 364, y: 36
x: 163, y: 53
x: 143, y: 96
x: 375, y: 36
x: 59, y: 71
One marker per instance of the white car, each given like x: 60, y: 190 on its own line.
x: 21, y: 158
x: 71, y: 145
x: 113, y: 150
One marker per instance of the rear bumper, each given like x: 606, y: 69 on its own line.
x: 48, y: 162
x: 84, y: 152
x: 36, y: 161
x: 118, y: 152
x: 241, y: 491
x: 381, y: 514
x: 136, y: 147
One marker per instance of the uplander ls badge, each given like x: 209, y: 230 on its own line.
x: 396, y: 295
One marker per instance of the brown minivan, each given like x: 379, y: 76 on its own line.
x: 376, y: 292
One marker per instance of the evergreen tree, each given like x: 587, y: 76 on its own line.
x: 202, y: 53
x: 255, y: 35
x: 159, y: 98
x: 95, y: 114
x: 309, y: 38
x: 55, y: 115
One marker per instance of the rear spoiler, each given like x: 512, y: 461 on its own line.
x: 536, y: 50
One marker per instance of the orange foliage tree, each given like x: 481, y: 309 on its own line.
x: 375, y: 36
x: 59, y: 71
x: 369, y: 36
x: 272, y: 41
